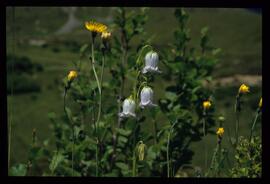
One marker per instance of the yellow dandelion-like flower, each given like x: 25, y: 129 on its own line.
x: 105, y: 35
x: 243, y: 89
x: 206, y: 104
x: 220, y: 132
x: 260, y: 103
x: 95, y: 27
x: 72, y: 75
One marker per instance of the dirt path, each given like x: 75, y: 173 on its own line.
x: 251, y: 80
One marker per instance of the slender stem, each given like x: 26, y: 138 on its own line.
x: 253, y: 125
x: 155, y: 130
x: 213, y: 159
x: 97, y: 159
x: 168, y: 146
x: 134, y: 163
x: 237, y: 127
x: 73, y: 135
x: 73, y: 140
x: 237, y: 111
x: 99, y: 109
x: 205, y: 150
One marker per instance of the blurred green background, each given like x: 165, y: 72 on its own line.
x: 45, y: 40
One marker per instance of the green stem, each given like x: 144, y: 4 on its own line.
x: 168, y: 146
x: 73, y: 140
x: 97, y: 159
x: 213, y: 159
x: 134, y: 163
x: 155, y: 130
x: 73, y: 136
x: 237, y: 128
x: 237, y: 111
x: 253, y: 125
x: 99, y: 109
x: 205, y: 151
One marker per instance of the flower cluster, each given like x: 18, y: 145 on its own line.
x: 146, y: 94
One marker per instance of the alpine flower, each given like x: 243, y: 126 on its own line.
x: 243, y: 89
x: 151, y: 62
x: 95, y: 27
x: 128, y: 108
x: 220, y: 132
x: 72, y: 75
x: 206, y: 105
x: 147, y: 97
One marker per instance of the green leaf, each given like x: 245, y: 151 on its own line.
x: 69, y: 114
x: 83, y: 48
x: 123, y: 131
x: 122, y: 166
x: 18, y: 170
x: 171, y: 96
x: 56, y: 160
x: 122, y: 139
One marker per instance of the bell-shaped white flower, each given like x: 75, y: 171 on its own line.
x: 128, y: 108
x: 151, y: 63
x: 147, y: 97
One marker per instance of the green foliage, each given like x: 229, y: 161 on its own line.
x: 18, y: 170
x: 248, y: 158
x: 89, y: 137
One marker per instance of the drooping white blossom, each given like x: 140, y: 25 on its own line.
x: 128, y: 108
x: 151, y: 63
x: 147, y: 97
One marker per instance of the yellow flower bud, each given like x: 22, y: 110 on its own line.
x: 72, y: 75
x: 141, y: 150
x: 260, y: 103
x: 243, y: 89
x: 105, y: 35
x: 220, y: 132
x: 206, y: 105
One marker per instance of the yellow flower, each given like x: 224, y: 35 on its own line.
x: 72, y: 75
x: 220, y: 132
x: 243, y: 89
x: 260, y: 103
x: 95, y: 27
x: 105, y: 35
x: 206, y: 104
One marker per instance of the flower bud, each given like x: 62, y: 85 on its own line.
x: 147, y: 97
x: 141, y: 150
x: 128, y: 108
x: 151, y: 62
x: 105, y: 35
x: 260, y: 103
